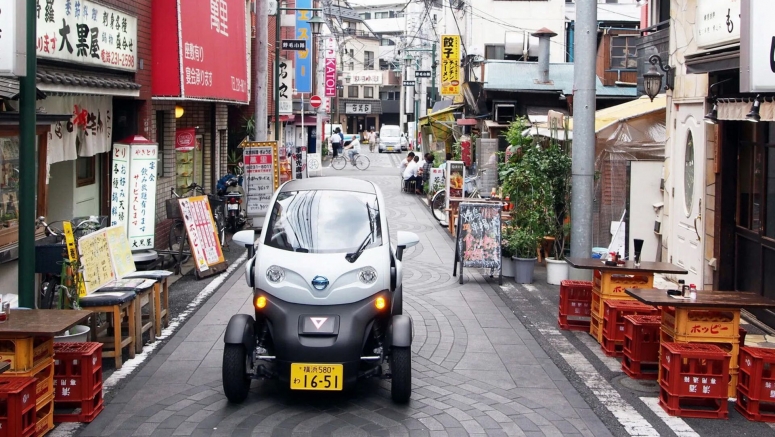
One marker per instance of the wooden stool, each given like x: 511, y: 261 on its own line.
x: 145, y: 297
x: 118, y: 305
x: 161, y: 297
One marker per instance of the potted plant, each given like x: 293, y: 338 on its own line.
x: 507, y: 252
x: 557, y: 169
x: 524, y: 242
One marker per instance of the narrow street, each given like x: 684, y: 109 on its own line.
x: 488, y: 360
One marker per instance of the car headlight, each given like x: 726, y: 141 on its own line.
x: 367, y: 275
x: 275, y: 274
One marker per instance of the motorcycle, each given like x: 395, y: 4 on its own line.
x: 232, y: 192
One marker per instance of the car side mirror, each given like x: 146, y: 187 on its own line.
x: 246, y: 239
x: 405, y: 241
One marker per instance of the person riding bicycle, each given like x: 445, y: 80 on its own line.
x: 353, y: 150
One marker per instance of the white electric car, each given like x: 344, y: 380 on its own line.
x: 327, y: 294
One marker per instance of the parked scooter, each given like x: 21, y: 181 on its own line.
x: 231, y: 190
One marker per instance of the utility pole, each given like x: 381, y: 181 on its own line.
x: 583, y: 169
x: 262, y: 69
x: 27, y: 181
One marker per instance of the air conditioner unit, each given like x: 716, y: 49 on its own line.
x: 504, y: 112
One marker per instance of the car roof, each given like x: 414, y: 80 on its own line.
x: 329, y: 183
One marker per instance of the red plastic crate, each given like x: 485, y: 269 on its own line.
x: 614, y: 312
x: 703, y: 408
x: 757, y: 373
x: 694, y: 370
x: 575, y: 305
x: 84, y: 411
x: 641, y: 347
x: 77, y: 371
x: 17, y: 406
x: 755, y: 410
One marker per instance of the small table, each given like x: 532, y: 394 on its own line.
x: 720, y: 323
x: 42, y: 323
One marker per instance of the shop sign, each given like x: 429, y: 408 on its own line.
x: 185, y: 139
x: 368, y: 77
x: 202, y: 232
x: 12, y: 38
x: 86, y: 32
x: 303, y: 62
x: 119, y: 196
x: 286, y: 86
x: 142, y: 195
x: 450, y: 65
x: 300, y: 163
x: 757, y: 45
x: 718, y: 23
x: 456, y: 174
x: 90, y: 126
x: 330, y: 66
x: 357, y: 108
x: 261, y: 175
x: 295, y: 45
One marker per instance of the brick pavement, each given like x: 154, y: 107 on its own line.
x: 477, y: 370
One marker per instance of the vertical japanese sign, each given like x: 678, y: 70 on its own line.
x: 262, y: 175
x: 87, y: 33
x: 304, y: 58
x: 300, y: 163
x: 330, y: 67
x: 119, y: 196
x: 450, y: 65
x: 286, y: 86
x: 72, y: 254
x: 142, y: 195
x: 202, y: 232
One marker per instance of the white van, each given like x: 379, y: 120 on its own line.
x: 391, y: 139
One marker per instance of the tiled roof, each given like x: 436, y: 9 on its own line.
x: 62, y: 77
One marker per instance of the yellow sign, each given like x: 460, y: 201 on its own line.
x: 72, y: 254
x: 120, y: 251
x: 450, y: 65
x: 96, y: 261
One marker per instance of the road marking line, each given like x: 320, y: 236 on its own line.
x: 613, y: 364
x: 632, y: 421
x: 679, y: 427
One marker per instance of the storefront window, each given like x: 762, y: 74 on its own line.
x: 689, y: 173
x: 85, y: 168
x: 9, y: 188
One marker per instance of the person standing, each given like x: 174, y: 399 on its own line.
x: 336, y: 142
x: 372, y: 140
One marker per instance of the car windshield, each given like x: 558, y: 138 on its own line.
x: 324, y: 221
x: 390, y: 132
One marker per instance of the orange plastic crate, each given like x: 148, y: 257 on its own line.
x: 598, y: 302
x: 25, y: 353
x: 45, y: 417
x: 705, y: 324
x: 596, y: 328
x: 614, y: 284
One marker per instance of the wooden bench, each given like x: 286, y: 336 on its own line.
x: 161, y: 297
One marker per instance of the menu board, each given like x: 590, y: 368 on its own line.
x: 456, y: 176
x: 261, y: 175
x: 119, y: 197
x: 142, y: 196
x: 97, y: 265
x: 202, y: 232
x: 120, y: 251
x: 437, y: 178
x: 478, y: 237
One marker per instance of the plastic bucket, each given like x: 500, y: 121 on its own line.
x: 76, y: 334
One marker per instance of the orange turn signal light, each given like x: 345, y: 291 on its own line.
x: 380, y: 303
x: 260, y: 302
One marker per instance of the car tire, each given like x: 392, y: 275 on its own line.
x: 236, y: 382
x: 380, y: 150
x: 401, y: 371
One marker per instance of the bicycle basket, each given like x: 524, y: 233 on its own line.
x: 173, y: 209
x: 49, y: 257
x: 103, y: 220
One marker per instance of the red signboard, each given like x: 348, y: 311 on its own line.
x: 204, y: 55
x: 185, y: 139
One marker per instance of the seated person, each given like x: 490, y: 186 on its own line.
x: 411, y: 174
x: 409, y: 158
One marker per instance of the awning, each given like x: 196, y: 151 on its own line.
x: 308, y: 120
x: 285, y: 118
x: 737, y: 109
x: 52, y: 80
x: 619, y: 113
x: 446, y: 114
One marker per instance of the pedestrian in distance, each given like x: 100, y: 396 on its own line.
x: 372, y: 140
x: 336, y: 142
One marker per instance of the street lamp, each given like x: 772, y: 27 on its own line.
x: 652, y: 79
x: 315, y: 24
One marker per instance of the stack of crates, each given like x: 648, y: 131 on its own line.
x: 756, y: 388
x: 78, y: 382
x: 575, y: 305
x: 693, y: 380
x: 720, y: 327
x: 614, y: 311
x: 18, y: 409
x: 641, y: 346
x: 608, y: 286
x: 33, y: 357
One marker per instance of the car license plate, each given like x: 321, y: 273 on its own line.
x: 316, y: 376
x: 390, y: 149
x: 232, y: 206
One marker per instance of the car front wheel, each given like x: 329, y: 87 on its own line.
x: 401, y: 371
x: 236, y: 382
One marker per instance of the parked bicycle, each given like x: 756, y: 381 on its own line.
x: 358, y: 161
x: 438, y: 202
x: 59, y: 276
x: 178, y: 238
